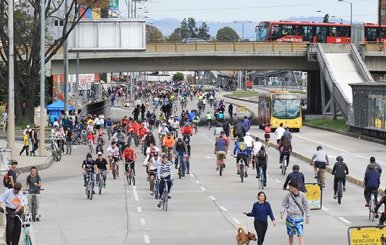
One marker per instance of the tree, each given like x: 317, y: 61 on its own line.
x: 178, y: 76
x: 27, y: 44
x: 153, y: 34
x: 227, y: 34
x: 188, y: 29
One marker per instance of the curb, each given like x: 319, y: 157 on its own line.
x: 41, y: 166
x: 349, y: 178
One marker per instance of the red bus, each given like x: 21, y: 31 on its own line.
x: 305, y: 31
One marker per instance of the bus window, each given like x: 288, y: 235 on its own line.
x: 333, y: 31
x: 307, y: 33
x: 287, y: 30
x: 321, y: 33
x: 371, y: 34
x: 276, y: 32
x: 262, y: 32
x: 286, y: 108
x: 343, y: 31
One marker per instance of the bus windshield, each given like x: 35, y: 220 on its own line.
x: 286, y: 106
x: 262, y: 32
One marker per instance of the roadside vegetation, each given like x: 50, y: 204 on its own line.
x: 338, y: 124
x: 241, y: 94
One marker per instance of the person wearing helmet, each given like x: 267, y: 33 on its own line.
x: 340, y: 171
x: 129, y: 156
x: 320, y: 160
x: 381, y: 202
x: 295, y: 176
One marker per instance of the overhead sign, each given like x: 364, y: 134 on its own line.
x: 367, y: 235
x: 314, y: 195
x: 241, y: 110
x: 85, y: 81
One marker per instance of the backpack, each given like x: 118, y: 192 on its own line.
x: 261, y: 155
x: 6, y: 181
x: 286, y: 142
x: 242, y: 146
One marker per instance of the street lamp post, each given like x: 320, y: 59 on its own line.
x: 11, y: 81
x: 42, y: 132
x: 344, y: 1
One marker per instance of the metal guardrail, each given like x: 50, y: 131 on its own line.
x: 360, y: 64
x: 227, y: 47
x: 374, y: 47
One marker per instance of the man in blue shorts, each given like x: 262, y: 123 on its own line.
x: 295, y: 204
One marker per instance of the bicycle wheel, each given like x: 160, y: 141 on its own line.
x: 242, y: 172
x: 284, y: 167
x: 166, y: 200
x: 371, y: 214
x: 113, y: 171
x: 100, y: 185
x: 221, y: 168
x: 179, y: 171
x: 88, y: 192
x: 261, y: 179
x: 340, y: 192
x: 132, y: 177
x: 27, y: 239
x: 91, y: 190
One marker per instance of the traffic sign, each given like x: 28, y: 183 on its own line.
x: 367, y: 235
x: 241, y: 109
x: 314, y: 195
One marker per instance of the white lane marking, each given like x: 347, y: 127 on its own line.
x: 198, y: 182
x: 236, y: 221
x: 325, y: 209
x: 208, y: 157
x: 213, y: 198
x: 135, y: 193
x: 192, y: 175
x: 223, y: 208
x: 139, y: 209
x: 278, y: 181
x: 203, y: 188
x: 344, y: 220
x: 143, y: 222
x: 147, y: 239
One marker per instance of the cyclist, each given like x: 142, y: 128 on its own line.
x: 113, y: 154
x: 152, y: 166
x: 164, y: 172
x: 149, y: 139
x: 175, y: 125
x: 340, y: 171
x: 129, y: 156
x: 120, y: 137
x: 181, y: 153
x: 267, y: 133
x: 242, y: 152
x: 279, y: 133
x: 209, y: 120
x: 377, y: 167
x: 33, y: 185
x: 248, y: 140
x: 320, y: 160
x: 196, y: 121
x: 372, y: 182
x: 163, y: 131
x: 150, y: 152
x: 89, y: 167
x: 220, y: 149
x: 383, y: 215
x: 103, y: 167
x: 285, y: 149
x: 91, y: 140
x: 59, y: 137
x: 217, y: 130
x: 255, y: 150
x: 262, y: 161
x: 109, y: 125
x: 168, y: 142
x: 295, y: 176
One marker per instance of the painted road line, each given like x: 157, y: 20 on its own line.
x: 192, y: 175
x: 203, y: 188
x: 223, y: 209
x: 198, y: 182
x: 143, y: 222
x: 278, y: 181
x: 236, y: 221
x: 146, y: 238
x: 213, y: 198
x: 135, y: 193
x: 139, y: 209
x: 325, y: 209
x: 344, y: 220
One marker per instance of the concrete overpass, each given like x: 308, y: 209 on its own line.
x: 208, y: 56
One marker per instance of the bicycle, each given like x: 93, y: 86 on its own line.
x: 319, y: 176
x: 261, y: 178
x: 156, y: 189
x: 284, y: 165
x: 113, y: 167
x: 165, y: 195
x: 55, y: 151
x: 89, y: 186
x: 101, y: 181
x: 24, y: 220
x: 195, y: 128
x: 372, y: 204
x: 222, y: 165
x: 130, y: 177
x: 242, y: 170
x: 340, y: 191
x: 91, y: 146
x: 33, y: 210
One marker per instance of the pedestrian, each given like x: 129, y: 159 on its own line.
x: 260, y: 211
x: 69, y: 134
x: 340, y: 170
x: 230, y: 110
x: 13, y: 200
x: 25, y: 143
x: 4, y: 117
x: 33, y: 185
x: 295, y: 204
x: 34, y: 140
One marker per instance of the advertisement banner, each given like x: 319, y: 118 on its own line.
x: 241, y: 110
x: 314, y: 195
x: 85, y: 81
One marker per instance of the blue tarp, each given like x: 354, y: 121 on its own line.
x: 58, y: 106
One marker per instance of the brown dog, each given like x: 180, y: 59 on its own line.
x: 244, y: 238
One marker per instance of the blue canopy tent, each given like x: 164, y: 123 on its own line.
x: 55, y: 108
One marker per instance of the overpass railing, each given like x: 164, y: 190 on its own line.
x: 227, y: 47
x: 374, y: 47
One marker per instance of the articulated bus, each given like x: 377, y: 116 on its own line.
x: 313, y: 32
x: 280, y: 107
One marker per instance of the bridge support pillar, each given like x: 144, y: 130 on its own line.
x: 314, y: 96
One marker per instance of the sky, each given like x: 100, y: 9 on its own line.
x: 258, y: 10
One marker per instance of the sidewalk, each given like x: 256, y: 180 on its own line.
x: 356, y: 152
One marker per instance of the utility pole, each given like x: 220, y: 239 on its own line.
x: 76, y: 89
x: 11, y: 81
x: 65, y: 66
x: 42, y: 132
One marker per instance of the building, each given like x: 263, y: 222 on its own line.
x: 383, y: 11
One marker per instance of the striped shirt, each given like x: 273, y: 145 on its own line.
x: 165, y: 168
